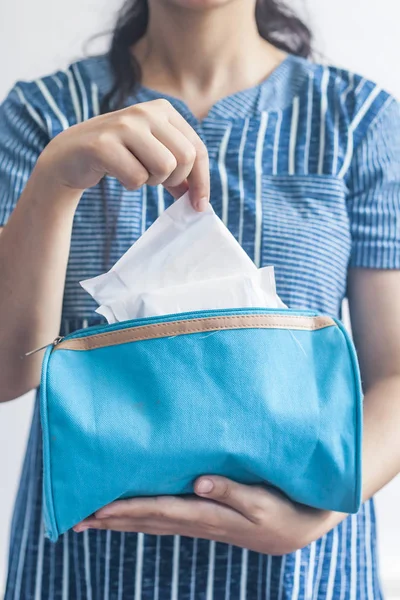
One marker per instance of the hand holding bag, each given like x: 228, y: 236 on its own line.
x: 144, y: 407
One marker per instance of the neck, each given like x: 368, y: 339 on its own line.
x: 210, y: 52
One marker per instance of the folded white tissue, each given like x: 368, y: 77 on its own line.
x: 185, y: 261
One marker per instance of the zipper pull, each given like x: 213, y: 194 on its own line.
x: 55, y: 342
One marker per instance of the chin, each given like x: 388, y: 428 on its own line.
x: 196, y: 4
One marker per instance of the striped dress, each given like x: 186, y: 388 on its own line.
x: 305, y: 173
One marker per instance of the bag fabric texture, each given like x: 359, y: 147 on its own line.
x: 144, y: 407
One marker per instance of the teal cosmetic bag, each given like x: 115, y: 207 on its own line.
x: 144, y: 407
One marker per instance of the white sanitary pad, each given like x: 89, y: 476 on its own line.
x: 185, y: 261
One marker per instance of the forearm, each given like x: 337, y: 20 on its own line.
x: 381, y: 448
x: 34, y: 248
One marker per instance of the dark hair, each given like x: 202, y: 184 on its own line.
x: 276, y: 23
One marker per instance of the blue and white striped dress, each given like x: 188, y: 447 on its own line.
x: 305, y: 173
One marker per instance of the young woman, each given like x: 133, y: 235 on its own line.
x: 304, y: 165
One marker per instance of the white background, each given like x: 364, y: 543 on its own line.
x: 39, y: 36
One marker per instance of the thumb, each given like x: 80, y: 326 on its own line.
x: 223, y: 490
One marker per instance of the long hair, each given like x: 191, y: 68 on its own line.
x: 275, y: 21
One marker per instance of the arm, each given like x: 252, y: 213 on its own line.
x: 147, y: 143
x: 374, y: 298
x: 34, y: 248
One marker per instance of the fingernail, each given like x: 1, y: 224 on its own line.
x: 201, y: 204
x: 80, y: 528
x: 204, y: 486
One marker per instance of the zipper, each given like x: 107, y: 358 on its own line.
x: 55, y: 342
x: 178, y: 327
x: 133, y: 323
x: 105, y: 328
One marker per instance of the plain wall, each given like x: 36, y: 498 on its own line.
x: 39, y: 36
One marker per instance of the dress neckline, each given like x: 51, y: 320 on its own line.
x: 241, y: 104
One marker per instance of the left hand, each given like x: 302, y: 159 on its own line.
x: 252, y: 517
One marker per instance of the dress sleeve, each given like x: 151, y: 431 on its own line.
x: 23, y: 136
x: 374, y: 193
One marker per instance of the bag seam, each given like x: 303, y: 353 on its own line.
x: 48, y: 496
x: 358, y: 415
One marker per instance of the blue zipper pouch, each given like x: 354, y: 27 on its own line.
x: 144, y: 407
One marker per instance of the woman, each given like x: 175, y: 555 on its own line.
x: 303, y: 171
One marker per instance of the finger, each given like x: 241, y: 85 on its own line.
x: 178, y: 190
x: 118, y: 162
x: 199, y: 183
x: 182, y: 512
x: 249, y: 501
x: 159, y: 507
x: 221, y: 524
x: 156, y: 158
x: 180, y: 146
x: 199, y: 177
x: 152, y: 527
x: 128, y: 525
x: 184, y: 152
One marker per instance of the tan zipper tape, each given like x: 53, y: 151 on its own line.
x: 207, y: 324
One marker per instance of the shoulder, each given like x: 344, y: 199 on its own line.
x: 331, y: 113
x: 66, y: 97
x: 347, y: 98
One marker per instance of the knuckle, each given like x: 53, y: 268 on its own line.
x: 102, y: 524
x: 212, y: 527
x: 98, y: 144
x: 149, y: 107
x: 225, y: 492
x: 158, y: 510
x: 257, y: 514
x: 141, y: 177
x: 152, y: 180
x: 158, y: 513
x: 137, y: 179
x: 140, y: 107
x: 141, y: 111
x: 164, y: 170
x: 162, y: 103
x: 187, y: 156
x: 98, y: 147
x: 170, y: 164
x: 123, y: 122
x: 201, y: 151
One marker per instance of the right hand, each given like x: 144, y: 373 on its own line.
x: 148, y: 143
